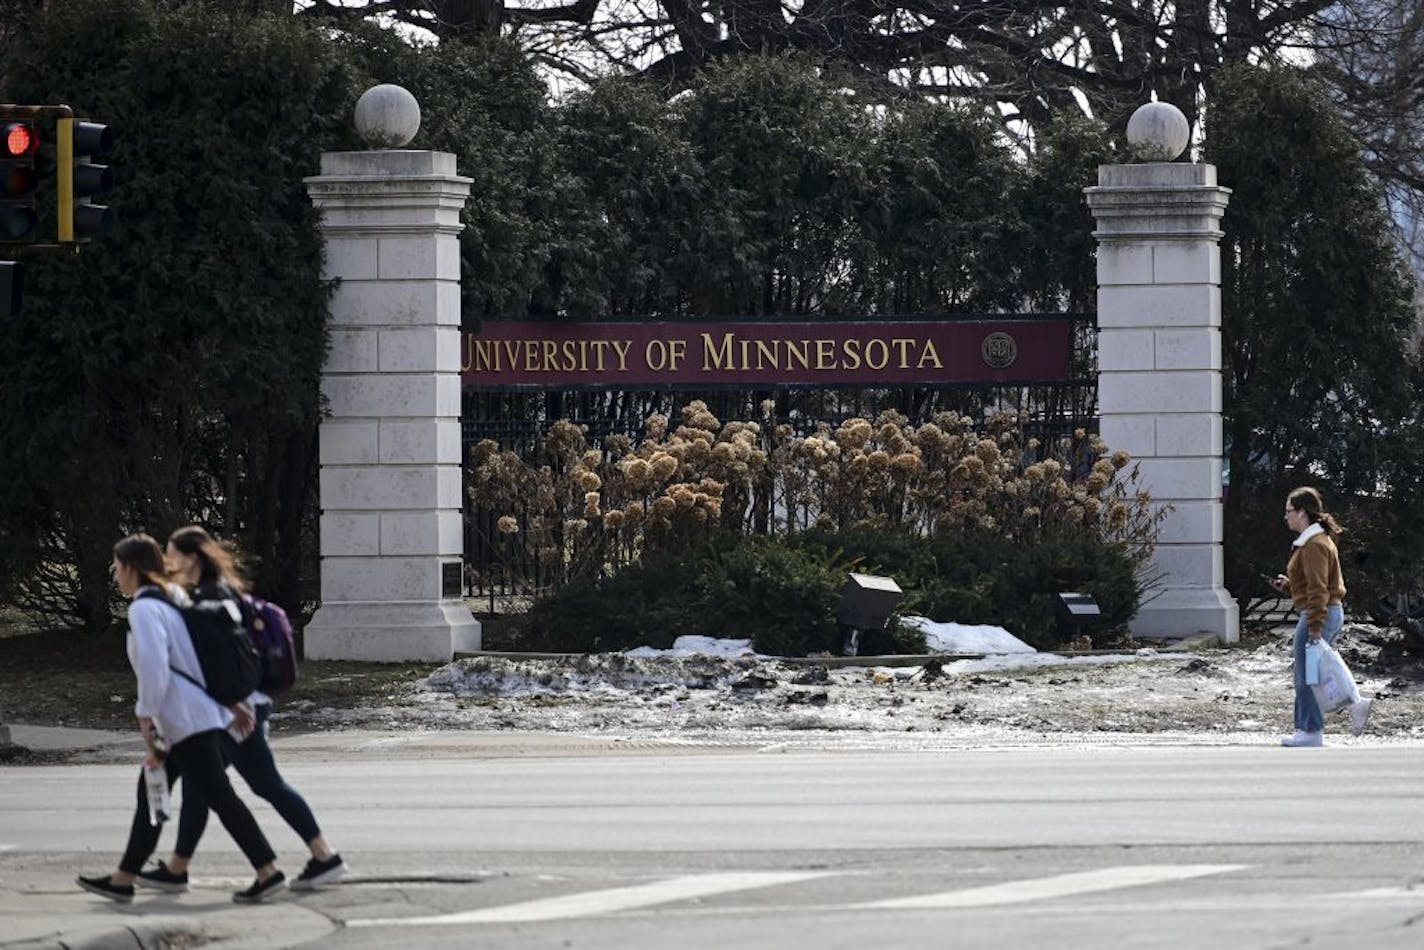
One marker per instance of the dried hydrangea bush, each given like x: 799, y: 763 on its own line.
x: 583, y: 509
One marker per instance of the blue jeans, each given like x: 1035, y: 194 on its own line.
x: 254, y: 762
x: 1307, y: 711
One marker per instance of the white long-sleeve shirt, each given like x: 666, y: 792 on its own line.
x: 157, y: 640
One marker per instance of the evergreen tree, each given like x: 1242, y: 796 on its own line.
x: 170, y: 373
x: 1316, y: 315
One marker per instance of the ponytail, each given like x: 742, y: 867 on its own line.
x: 216, y: 564
x: 142, y: 553
x: 1308, y: 500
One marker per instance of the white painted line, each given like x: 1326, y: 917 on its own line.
x: 1062, y: 885
x: 593, y: 903
x: 1386, y: 893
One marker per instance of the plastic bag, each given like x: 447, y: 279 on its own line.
x: 1336, y: 688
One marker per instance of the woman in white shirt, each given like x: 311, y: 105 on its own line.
x: 175, y: 712
x: 204, y: 566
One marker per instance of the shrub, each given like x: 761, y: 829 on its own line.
x: 990, y: 580
x: 582, y: 509
x: 782, y: 593
x: 746, y: 529
x: 781, y: 598
x: 983, y: 578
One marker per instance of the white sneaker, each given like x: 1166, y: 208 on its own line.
x: 1302, y: 739
x: 1360, y: 715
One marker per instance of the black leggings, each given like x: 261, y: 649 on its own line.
x: 198, y: 760
x: 254, y: 762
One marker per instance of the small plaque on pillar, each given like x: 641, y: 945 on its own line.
x: 451, y: 576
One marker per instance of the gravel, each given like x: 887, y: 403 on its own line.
x: 1213, y: 695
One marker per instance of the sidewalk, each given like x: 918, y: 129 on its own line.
x: 43, y: 907
x: 49, y: 911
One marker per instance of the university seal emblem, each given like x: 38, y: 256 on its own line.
x: 999, y: 350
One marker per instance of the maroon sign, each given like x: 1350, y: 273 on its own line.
x: 542, y: 354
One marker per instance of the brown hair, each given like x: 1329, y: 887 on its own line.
x: 216, y: 564
x: 141, y: 553
x: 1308, y: 500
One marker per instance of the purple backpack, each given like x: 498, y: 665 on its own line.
x: 271, y: 633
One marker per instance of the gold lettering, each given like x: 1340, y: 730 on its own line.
x: 903, y: 345
x: 583, y: 356
x: 766, y: 351
x: 656, y: 361
x: 570, y: 349
x: 531, y: 356
x: 929, y: 355
x: 598, y: 347
x: 677, y: 352
x: 745, y: 345
x: 801, y: 353
x: 551, y: 355
x: 851, y: 350
x: 621, y: 347
x: 870, y: 354
x: 825, y: 354
x: 511, y: 354
x: 714, y: 357
x: 479, y: 355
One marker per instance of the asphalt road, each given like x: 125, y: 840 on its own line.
x: 1069, y: 846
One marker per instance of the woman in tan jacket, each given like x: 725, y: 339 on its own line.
x: 1316, y: 587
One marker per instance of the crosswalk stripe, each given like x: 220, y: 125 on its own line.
x: 1384, y: 893
x: 593, y: 903
x: 1062, y: 885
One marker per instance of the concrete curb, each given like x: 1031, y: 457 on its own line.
x: 148, y: 935
x: 51, y: 916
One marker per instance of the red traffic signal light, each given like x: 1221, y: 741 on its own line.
x: 18, y: 180
x: 20, y: 139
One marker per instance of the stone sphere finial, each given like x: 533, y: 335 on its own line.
x: 387, y: 116
x: 1158, y: 132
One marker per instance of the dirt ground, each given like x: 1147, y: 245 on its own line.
x: 1237, y: 693
x: 84, y: 681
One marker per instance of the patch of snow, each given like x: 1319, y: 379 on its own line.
x: 1011, y: 661
x: 966, y: 638
x: 698, y: 646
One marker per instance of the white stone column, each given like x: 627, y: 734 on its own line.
x: 391, y: 485
x: 1159, y: 364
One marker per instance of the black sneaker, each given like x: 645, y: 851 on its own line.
x: 123, y: 893
x: 261, y: 890
x: 162, y: 879
x: 318, y: 873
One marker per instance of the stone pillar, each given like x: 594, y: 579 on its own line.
x: 1159, y: 363
x: 391, y: 485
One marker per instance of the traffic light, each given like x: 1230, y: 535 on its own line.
x: 78, y: 179
x: 19, y: 141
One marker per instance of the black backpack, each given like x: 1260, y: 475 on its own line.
x: 230, y: 663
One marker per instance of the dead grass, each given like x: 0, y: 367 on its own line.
x: 66, y: 679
